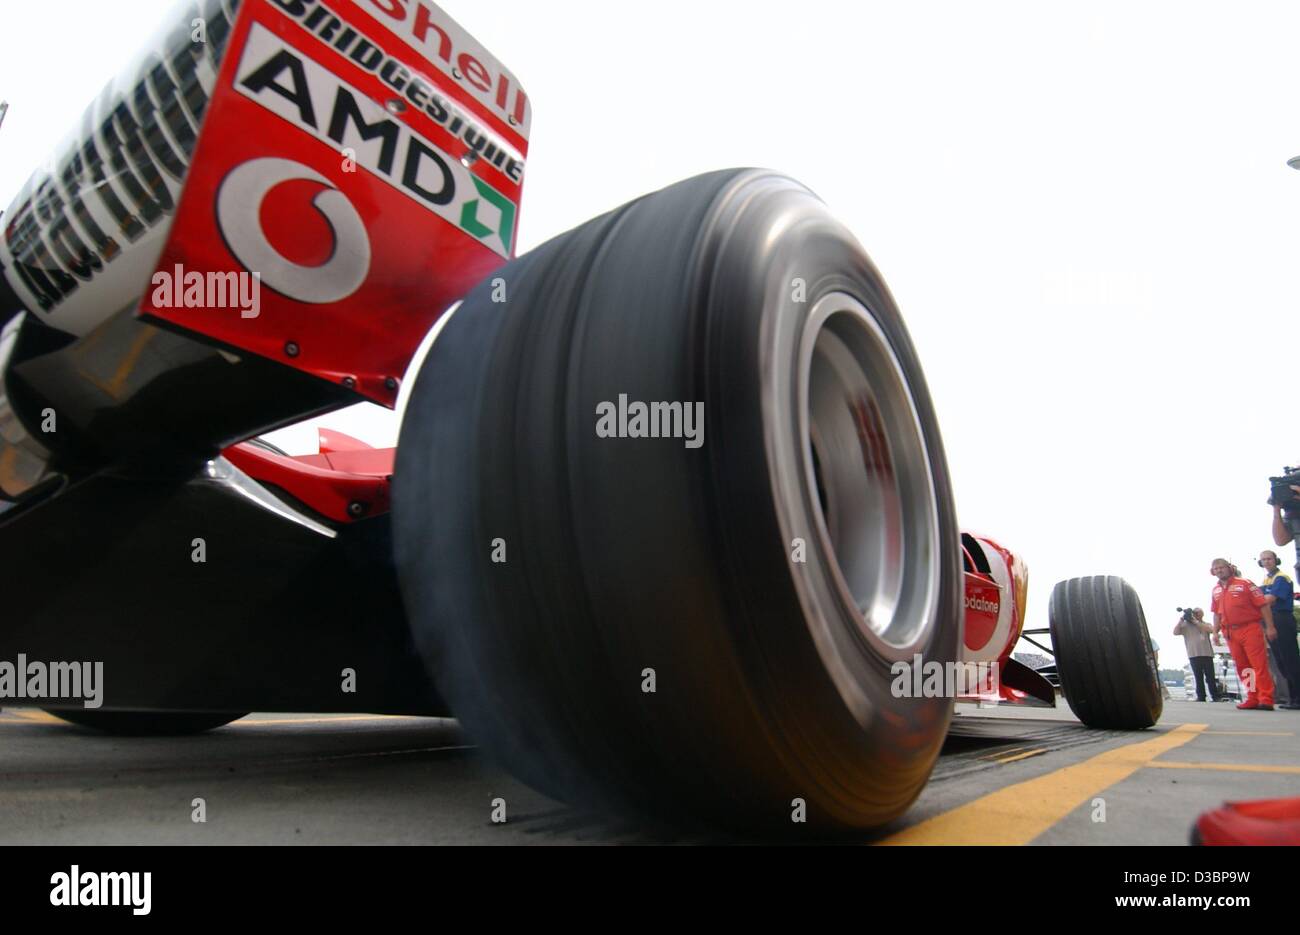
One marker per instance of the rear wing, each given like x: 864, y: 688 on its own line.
x: 311, y: 181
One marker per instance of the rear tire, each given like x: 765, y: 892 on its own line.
x: 629, y: 622
x: 1103, y: 653
x: 147, y: 723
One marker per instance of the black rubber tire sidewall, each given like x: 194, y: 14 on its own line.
x: 146, y: 723
x: 623, y: 557
x: 1103, y: 653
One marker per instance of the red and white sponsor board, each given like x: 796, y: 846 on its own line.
x: 366, y: 167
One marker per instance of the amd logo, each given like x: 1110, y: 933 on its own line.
x: 300, y: 90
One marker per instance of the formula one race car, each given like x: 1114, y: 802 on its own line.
x: 288, y: 206
x: 1105, y: 662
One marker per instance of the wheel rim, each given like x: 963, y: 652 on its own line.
x: 868, y: 480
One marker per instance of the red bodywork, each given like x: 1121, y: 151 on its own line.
x: 336, y: 108
x: 347, y: 481
x: 996, y: 586
x: 392, y: 106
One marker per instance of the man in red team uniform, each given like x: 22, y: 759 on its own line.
x: 1238, y: 608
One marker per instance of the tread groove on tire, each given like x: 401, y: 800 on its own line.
x: 627, y: 553
x: 1102, y: 647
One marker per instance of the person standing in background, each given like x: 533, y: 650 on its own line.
x: 1285, y: 651
x: 1281, y: 530
x: 1196, y: 637
x: 1238, y: 608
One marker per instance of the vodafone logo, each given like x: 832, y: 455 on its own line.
x: 239, y: 211
x: 978, y: 603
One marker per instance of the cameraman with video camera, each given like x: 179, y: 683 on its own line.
x: 1281, y: 530
x: 1285, y: 500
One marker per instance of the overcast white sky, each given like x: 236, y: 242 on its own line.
x: 1082, y: 209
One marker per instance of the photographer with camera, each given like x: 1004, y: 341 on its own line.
x: 1238, y: 608
x: 1195, y: 631
x: 1286, y: 653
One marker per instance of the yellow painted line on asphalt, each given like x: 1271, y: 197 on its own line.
x: 999, y: 753
x: 40, y: 717
x: 1019, y: 813
x: 1020, y: 756
x: 328, y: 720
x: 1228, y: 767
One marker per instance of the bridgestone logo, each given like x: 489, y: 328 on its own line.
x: 304, y: 93
x: 323, y: 24
x: 978, y: 603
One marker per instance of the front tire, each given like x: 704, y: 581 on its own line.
x: 1103, y: 653
x: 675, y: 629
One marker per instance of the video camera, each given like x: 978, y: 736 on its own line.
x: 1188, y: 616
x: 1282, y: 495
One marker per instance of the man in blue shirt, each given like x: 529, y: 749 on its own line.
x: 1286, y: 653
